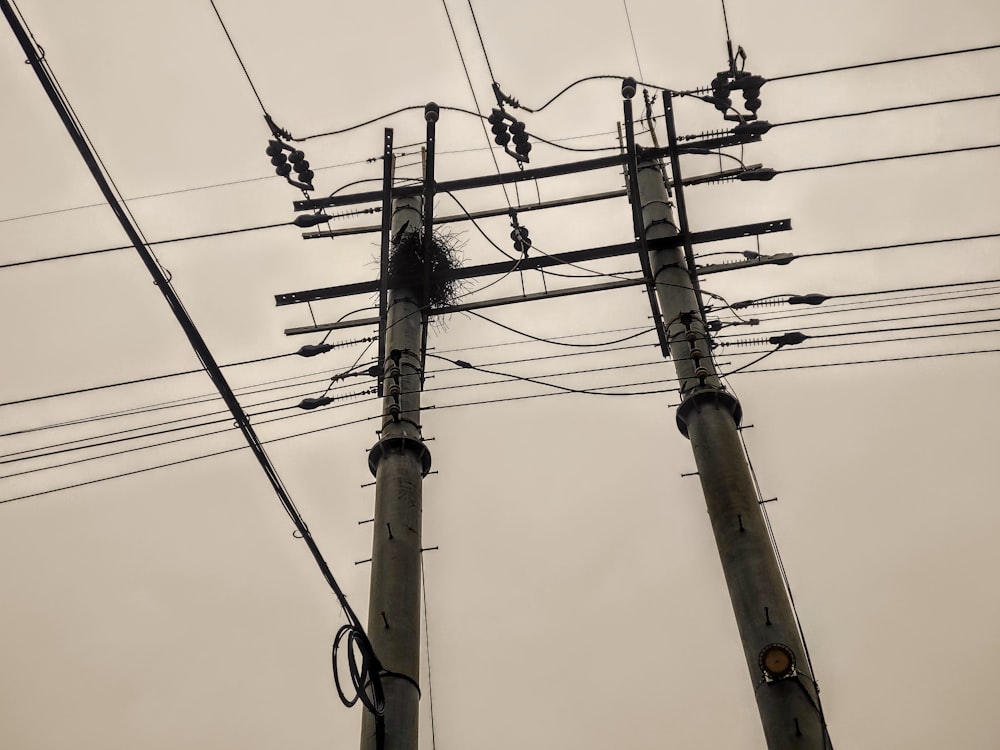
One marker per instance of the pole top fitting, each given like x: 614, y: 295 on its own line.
x: 628, y: 87
x: 431, y: 112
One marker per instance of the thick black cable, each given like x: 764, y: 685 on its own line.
x: 857, y: 66
x: 238, y: 57
x: 482, y: 44
x: 187, y: 324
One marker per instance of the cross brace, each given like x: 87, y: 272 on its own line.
x: 545, y: 261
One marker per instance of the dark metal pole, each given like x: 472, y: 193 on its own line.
x: 628, y: 91
x: 383, y: 284
x: 682, y: 216
x: 709, y: 416
x: 431, y: 114
x: 399, y: 461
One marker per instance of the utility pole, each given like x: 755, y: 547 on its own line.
x: 709, y: 416
x: 399, y: 461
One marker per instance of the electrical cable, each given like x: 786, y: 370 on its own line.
x: 427, y: 649
x: 825, y: 297
x: 482, y: 45
x: 635, y: 49
x: 857, y: 66
x: 895, y: 319
x: 872, y: 160
x: 504, y: 379
x: 900, y: 339
x: 339, y: 375
x: 915, y: 243
x: 206, y: 235
x: 135, y: 381
x: 172, y: 441
x: 494, y: 401
x: 751, y: 364
x: 369, y: 672
x: 882, y: 360
x: 822, y: 118
x: 472, y: 90
x: 851, y: 307
x: 63, y: 446
x: 468, y: 365
x: 555, y: 341
x: 239, y: 59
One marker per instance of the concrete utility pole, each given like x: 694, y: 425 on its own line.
x: 399, y: 461
x: 709, y: 416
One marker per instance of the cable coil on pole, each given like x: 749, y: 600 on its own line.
x: 365, y: 675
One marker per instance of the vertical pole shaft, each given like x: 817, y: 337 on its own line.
x: 709, y: 416
x: 399, y: 461
x: 431, y: 114
x: 383, y: 286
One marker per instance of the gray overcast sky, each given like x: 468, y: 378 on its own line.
x: 576, y: 599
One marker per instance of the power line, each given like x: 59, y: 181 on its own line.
x: 206, y: 235
x: 635, y: 49
x: 239, y: 59
x: 472, y: 90
x: 71, y: 123
x: 135, y: 381
x: 897, y: 108
x: 872, y: 160
x: 507, y: 399
x: 482, y: 44
x: 857, y: 66
x: 896, y: 245
x: 160, y: 444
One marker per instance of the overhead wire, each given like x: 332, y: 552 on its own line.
x: 505, y: 400
x: 875, y: 159
x: 631, y: 32
x: 891, y: 61
x: 472, y: 90
x: 187, y: 238
x: 880, y: 110
x: 370, y: 667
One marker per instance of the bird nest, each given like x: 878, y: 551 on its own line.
x: 408, y: 267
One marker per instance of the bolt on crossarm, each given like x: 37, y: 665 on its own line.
x: 399, y: 461
x: 710, y: 416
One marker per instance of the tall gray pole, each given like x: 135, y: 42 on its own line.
x: 399, y: 461
x: 709, y: 416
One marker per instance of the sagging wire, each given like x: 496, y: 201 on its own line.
x: 555, y: 341
x: 469, y: 366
